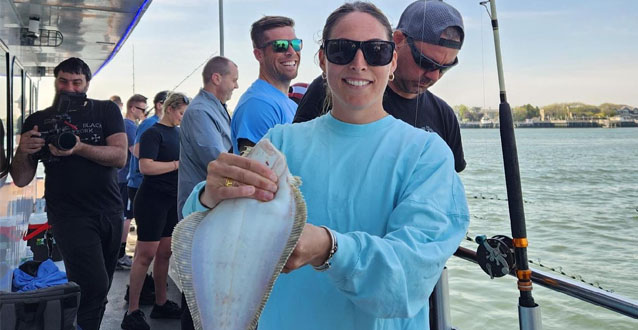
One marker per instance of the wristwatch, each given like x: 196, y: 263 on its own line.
x: 333, y: 249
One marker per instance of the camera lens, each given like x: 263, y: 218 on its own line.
x: 66, y: 141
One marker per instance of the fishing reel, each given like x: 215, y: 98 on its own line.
x: 495, y: 255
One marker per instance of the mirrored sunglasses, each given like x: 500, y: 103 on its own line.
x: 427, y: 63
x: 343, y: 51
x: 281, y: 45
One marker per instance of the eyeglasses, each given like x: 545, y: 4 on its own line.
x: 281, y: 45
x: 343, y: 51
x: 427, y: 63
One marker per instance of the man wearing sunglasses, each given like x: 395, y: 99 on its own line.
x: 427, y: 40
x: 265, y: 103
x: 134, y: 175
x: 135, y: 107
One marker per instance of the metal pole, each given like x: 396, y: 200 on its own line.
x: 221, y: 27
x: 528, y: 310
x: 440, y: 318
x: 133, y: 61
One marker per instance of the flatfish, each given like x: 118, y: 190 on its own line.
x: 229, y: 257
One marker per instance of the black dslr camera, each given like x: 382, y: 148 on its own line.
x: 58, y: 128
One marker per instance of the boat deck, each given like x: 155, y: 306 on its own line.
x: 117, y: 306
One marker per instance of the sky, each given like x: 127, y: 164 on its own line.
x: 553, y: 51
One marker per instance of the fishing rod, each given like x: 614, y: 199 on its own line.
x: 183, y: 80
x: 528, y: 311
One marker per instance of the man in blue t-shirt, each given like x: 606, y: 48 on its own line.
x: 135, y: 108
x: 265, y: 103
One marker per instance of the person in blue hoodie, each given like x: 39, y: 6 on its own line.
x: 386, y: 208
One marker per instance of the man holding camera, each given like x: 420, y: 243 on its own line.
x: 83, y: 201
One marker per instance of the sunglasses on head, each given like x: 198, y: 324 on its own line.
x: 281, y: 45
x: 185, y: 99
x: 427, y: 63
x: 343, y: 51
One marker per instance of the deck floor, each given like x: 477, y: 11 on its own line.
x: 117, y: 306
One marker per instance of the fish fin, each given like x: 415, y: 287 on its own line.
x: 182, y: 247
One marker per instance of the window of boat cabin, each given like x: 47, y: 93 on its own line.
x: 17, y: 102
x: 34, y: 97
x: 28, y: 97
x: 4, y: 112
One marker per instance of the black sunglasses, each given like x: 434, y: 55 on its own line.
x: 281, y: 45
x: 343, y: 51
x: 139, y: 108
x: 427, y: 63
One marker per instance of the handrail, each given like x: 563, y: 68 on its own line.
x: 584, y: 292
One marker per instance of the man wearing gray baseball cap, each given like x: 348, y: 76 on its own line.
x: 428, y: 39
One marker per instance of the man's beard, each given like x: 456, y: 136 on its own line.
x: 56, y: 98
x: 414, y: 86
x: 76, y: 97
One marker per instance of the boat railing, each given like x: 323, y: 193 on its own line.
x: 582, y: 291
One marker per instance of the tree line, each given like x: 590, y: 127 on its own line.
x: 556, y: 111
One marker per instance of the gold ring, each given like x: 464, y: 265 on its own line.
x: 229, y: 182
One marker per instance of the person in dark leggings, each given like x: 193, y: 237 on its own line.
x: 156, y: 213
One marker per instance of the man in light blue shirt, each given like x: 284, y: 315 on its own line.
x: 265, y: 103
x: 204, y: 134
x: 205, y: 128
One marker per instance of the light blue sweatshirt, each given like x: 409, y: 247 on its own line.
x: 390, y: 195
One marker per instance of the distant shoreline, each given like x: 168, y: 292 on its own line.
x: 603, y: 123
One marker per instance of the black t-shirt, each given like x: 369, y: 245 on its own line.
x: 161, y: 143
x: 427, y: 111
x: 74, y: 185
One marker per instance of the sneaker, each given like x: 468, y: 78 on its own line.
x: 147, y: 298
x: 124, y: 263
x: 135, y: 321
x: 170, y: 310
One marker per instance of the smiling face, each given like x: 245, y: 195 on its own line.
x: 357, y: 88
x: 278, y: 68
x: 71, y: 82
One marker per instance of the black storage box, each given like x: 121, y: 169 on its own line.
x: 52, y: 308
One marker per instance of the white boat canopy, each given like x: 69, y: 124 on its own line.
x: 42, y: 33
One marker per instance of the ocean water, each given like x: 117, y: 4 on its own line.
x: 580, y: 188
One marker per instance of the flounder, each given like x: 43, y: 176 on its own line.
x: 229, y: 257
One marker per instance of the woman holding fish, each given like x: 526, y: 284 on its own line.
x: 385, y: 208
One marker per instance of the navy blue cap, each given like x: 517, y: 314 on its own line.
x: 160, y: 97
x: 425, y: 20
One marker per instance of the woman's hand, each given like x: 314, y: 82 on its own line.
x: 312, y: 248
x: 233, y: 176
